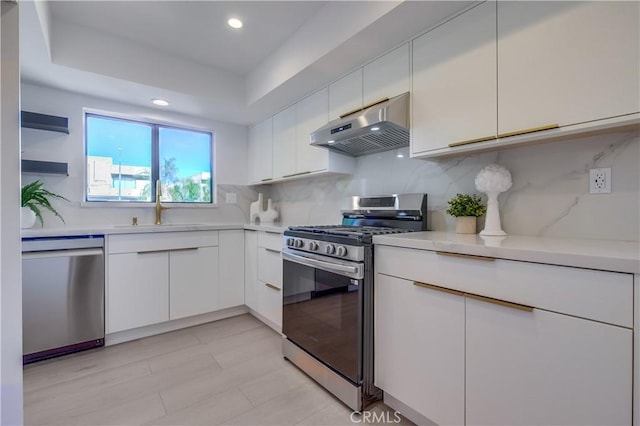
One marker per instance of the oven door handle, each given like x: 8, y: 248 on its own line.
x: 351, y: 271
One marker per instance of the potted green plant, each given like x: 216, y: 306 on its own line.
x: 466, y: 208
x: 34, y: 197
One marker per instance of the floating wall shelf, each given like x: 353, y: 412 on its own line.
x: 34, y: 120
x: 45, y: 167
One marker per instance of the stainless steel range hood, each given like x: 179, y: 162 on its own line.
x: 377, y: 127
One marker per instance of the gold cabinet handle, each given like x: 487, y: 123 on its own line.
x: 470, y: 141
x: 531, y: 130
x: 272, y: 286
x: 500, y: 302
x: 353, y: 111
x: 152, y: 251
x: 438, y: 288
x: 466, y: 256
x: 296, y: 174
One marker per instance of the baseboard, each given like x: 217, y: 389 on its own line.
x: 406, y: 411
x: 266, y: 321
x: 150, y: 330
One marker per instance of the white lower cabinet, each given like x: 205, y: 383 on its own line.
x: 161, y: 276
x: 263, y: 276
x: 544, y: 368
x: 251, y: 269
x: 138, y: 290
x: 419, y: 348
x: 465, y: 340
x: 270, y: 302
x: 231, y: 268
x: 193, y: 278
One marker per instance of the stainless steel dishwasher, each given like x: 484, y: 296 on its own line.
x: 62, y: 295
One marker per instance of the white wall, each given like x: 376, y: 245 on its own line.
x: 230, y: 161
x: 549, y: 196
x: 10, y: 271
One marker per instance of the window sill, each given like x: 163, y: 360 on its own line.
x: 116, y: 204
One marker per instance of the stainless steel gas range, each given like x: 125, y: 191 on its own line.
x: 328, y: 293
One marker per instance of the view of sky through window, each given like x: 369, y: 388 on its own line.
x: 120, y: 162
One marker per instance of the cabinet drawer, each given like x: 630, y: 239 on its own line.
x: 598, y: 295
x: 270, y: 240
x: 151, y: 241
x: 270, y: 302
x: 270, y: 266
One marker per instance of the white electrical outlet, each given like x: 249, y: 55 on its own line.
x: 600, y: 181
x: 231, y: 198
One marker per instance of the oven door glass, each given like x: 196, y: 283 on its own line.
x: 321, y: 315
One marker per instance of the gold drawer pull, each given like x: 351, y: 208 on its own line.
x: 152, y: 251
x: 466, y: 256
x: 437, y: 288
x: 272, y: 286
x: 296, y: 174
x: 500, y: 302
x: 185, y: 249
x: 531, y: 130
x: 353, y: 111
x: 469, y: 141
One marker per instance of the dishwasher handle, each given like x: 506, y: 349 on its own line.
x: 64, y: 243
x: 61, y: 253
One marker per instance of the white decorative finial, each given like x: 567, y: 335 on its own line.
x: 492, y: 180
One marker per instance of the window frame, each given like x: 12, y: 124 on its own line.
x: 155, y: 125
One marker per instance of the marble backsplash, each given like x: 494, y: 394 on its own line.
x: 549, y: 197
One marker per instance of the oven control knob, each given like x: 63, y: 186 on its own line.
x: 313, y: 246
x: 330, y: 249
x: 298, y: 243
x: 290, y: 242
x: 342, y: 251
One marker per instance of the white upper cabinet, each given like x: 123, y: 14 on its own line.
x: 284, y: 143
x: 345, y: 94
x: 311, y: 113
x: 387, y: 76
x: 261, y: 151
x: 454, y: 87
x: 566, y: 62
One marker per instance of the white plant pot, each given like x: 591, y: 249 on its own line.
x: 466, y: 225
x: 27, y: 217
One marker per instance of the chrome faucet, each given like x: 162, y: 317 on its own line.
x: 159, y: 207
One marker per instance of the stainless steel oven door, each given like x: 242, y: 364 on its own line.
x: 322, y: 306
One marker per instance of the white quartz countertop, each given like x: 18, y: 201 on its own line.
x: 619, y: 256
x: 130, y: 229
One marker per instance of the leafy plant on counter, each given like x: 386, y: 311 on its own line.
x: 466, y: 205
x: 34, y: 196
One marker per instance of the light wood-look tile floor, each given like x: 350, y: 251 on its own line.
x: 225, y: 372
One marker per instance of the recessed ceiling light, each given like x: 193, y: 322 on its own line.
x: 400, y: 155
x: 160, y: 102
x: 234, y: 23
x: 373, y: 129
x: 331, y: 142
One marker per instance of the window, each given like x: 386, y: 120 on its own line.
x: 125, y: 158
